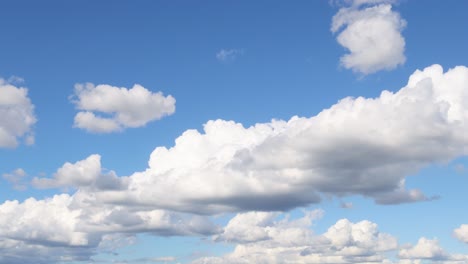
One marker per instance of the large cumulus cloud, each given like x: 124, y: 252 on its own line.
x: 364, y: 146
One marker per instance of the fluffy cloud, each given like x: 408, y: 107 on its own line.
x: 105, y: 108
x: 267, y: 238
x: 73, y: 228
x: 461, y: 233
x: 16, y: 115
x: 371, y: 32
x: 429, y: 249
x: 84, y: 174
x: 363, y: 146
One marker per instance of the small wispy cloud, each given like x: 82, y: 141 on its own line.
x: 226, y: 55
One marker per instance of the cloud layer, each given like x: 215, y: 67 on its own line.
x: 363, y: 146
x: 16, y: 116
x: 106, y: 109
x: 371, y: 32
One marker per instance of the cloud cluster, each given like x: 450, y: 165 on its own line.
x: 105, y: 109
x: 16, y: 115
x: 363, y: 146
x: 371, y: 32
x: 265, y: 237
x: 72, y: 228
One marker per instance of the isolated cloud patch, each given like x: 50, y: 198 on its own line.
x: 371, y: 32
x: 461, y: 233
x: 16, y: 116
x: 228, y: 55
x: 105, y: 109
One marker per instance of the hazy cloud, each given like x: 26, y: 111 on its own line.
x: 226, y: 55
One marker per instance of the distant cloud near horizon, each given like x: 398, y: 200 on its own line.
x: 106, y: 109
x: 371, y: 33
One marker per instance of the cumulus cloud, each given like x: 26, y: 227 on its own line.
x: 86, y: 173
x: 16, y: 116
x: 105, y: 109
x: 227, y: 55
x: 429, y: 249
x: 371, y: 32
x: 262, y: 237
x: 461, y: 233
x: 363, y: 146
x: 74, y: 228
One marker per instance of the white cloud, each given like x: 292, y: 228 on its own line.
x: 226, y: 55
x: 363, y: 146
x: 16, y: 115
x: 76, y: 227
x: 266, y: 237
x: 86, y: 173
x: 293, y: 241
x: 371, y: 32
x: 17, y: 178
x: 429, y: 249
x: 461, y: 233
x: 106, y: 109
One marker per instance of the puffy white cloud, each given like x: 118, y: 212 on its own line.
x: 104, y: 108
x: 371, y: 32
x: 16, y: 115
x: 72, y: 228
x: 293, y: 241
x: 86, y: 173
x: 364, y: 146
x: 429, y: 249
x: 461, y: 233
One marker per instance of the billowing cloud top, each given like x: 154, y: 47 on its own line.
x: 16, y: 115
x: 372, y: 35
x: 365, y: 146
x: 119, y: 107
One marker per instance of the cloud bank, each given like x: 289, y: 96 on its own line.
x: 359, y: 146
x: 17, y: 116
x: 267, y: 237
x: 105, y: 109
x: 371, y: 32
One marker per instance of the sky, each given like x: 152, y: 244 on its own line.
x: 312, y: 131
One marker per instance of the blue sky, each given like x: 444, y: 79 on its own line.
x: 165, y: 131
